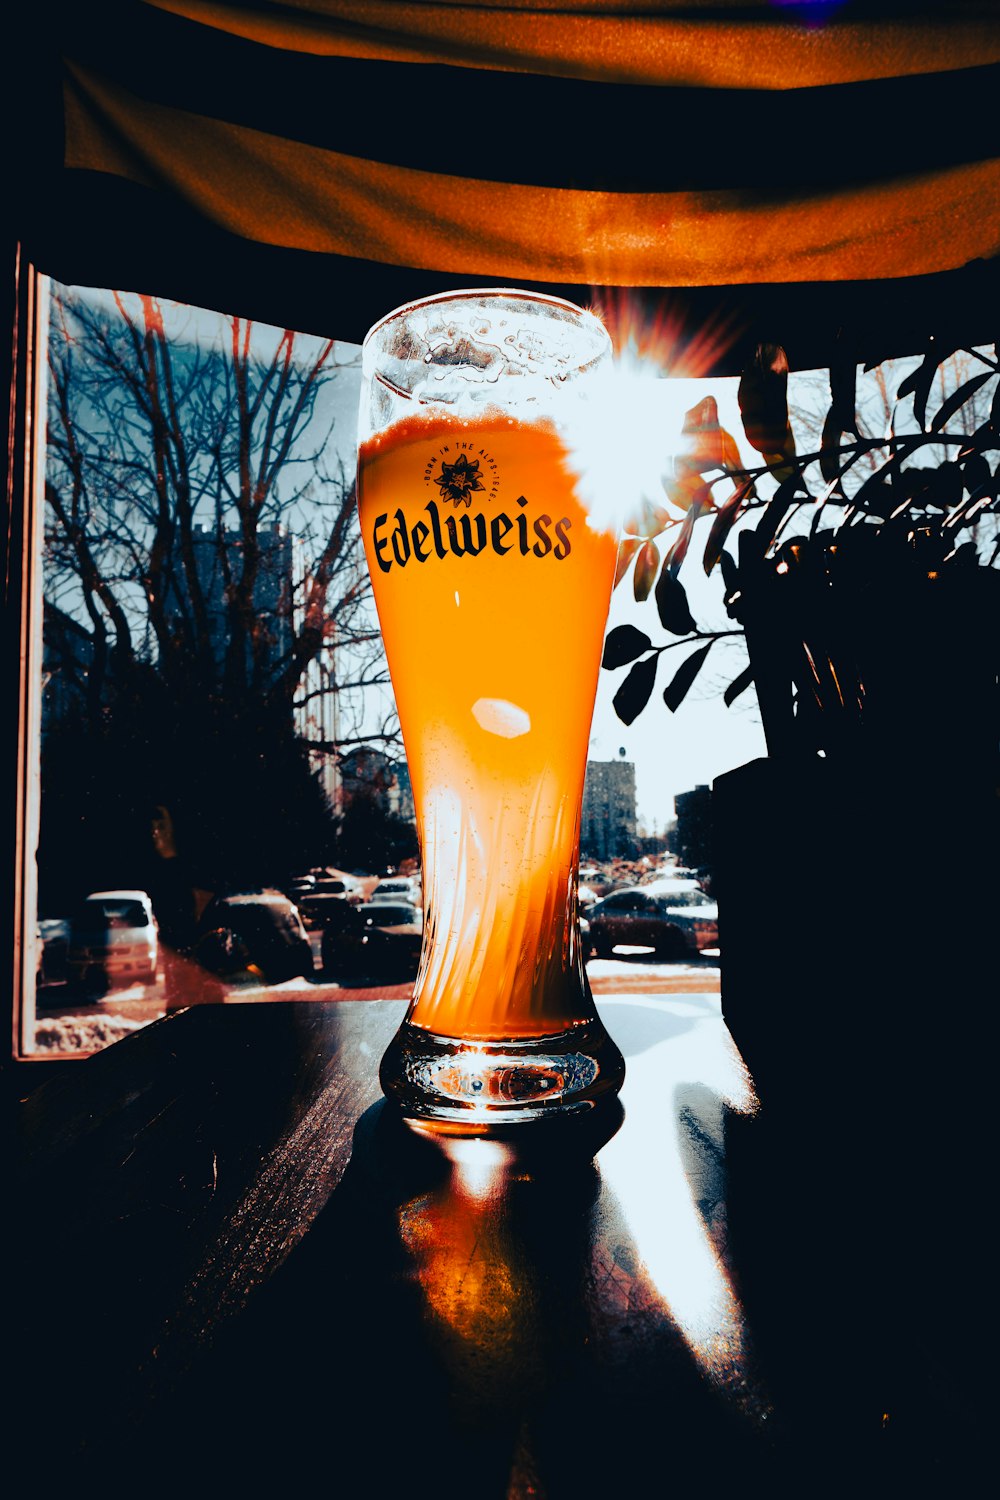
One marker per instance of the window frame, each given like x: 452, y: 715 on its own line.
x: 25, y: 494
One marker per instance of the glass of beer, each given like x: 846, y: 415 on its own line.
x: 492, y: 568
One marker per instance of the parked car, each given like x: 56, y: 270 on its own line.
x: 339, y: 882
x: 696, y: 914
x: 53, y: 949
x: 377, y: 942
x: 314, y: 905
x: 257, y: 932
x: 397, y: 887
x: 597, y: 879
x: 673, y: 924
x: 112, y: 939
x: 299, y: 886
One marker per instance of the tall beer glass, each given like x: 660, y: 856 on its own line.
x: 492, y: 577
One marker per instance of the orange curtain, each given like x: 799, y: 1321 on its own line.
x: 660, y: 147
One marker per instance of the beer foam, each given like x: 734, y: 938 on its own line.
x: 498, y: 716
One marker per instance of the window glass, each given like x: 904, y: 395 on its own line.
x: 214, y: 716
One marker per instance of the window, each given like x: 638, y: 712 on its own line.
x: 203, y: 660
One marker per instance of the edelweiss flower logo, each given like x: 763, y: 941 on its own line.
x: 458, y: 481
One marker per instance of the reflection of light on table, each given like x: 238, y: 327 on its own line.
x: 471, y: 1282
x: 675, y: 1094
x: 480, y: 1165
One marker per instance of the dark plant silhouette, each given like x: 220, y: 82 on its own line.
x: 862, y: 573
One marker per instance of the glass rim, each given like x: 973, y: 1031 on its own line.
x: 379, y: 362
x: 479, y: 293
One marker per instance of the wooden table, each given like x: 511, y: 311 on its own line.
x: 239, y: 1272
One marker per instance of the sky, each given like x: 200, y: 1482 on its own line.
x: 674, y: 752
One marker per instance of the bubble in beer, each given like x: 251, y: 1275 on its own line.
x: 498, y: 716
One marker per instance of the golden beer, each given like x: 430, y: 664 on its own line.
x: 492, y: 583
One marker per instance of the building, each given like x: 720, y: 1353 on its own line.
x: 216, y: 557
x: 692, y: 836
x: 608, y: 827
x: 368, y: 775
x: 67, y: 664
x: 317, y: 721
x: 401, y: 793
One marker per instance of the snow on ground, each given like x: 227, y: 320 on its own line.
x: 59, y: 1034
x: 87, y: 1029
x: 637, y: 972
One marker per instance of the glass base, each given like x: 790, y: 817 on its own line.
x: 484, y: 1087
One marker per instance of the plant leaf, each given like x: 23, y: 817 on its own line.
x: 646, y: 567
x: 731, y: 460
x: 976, y: 474
x: 763, y: 401
x: 633, y: 695
x: 730, y: 571
x: 957, y: 399
x: 777, y: 508
x: 685, y: 490
x: 725, y: 517
x: 627, y: 548
x: 672, y: 604
x: 623, y: 644
x: 843, y: 391
x: 679, y: 549
x: 647, y: 520
x: 918, y: 385
x: 707, y: 445
x: 875, y: 488
x: 738, y: 685
x: 676, y: 689
x: 829, y: 446
x: 703, y: 417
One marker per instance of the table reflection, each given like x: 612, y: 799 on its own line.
x: 549, y: 1267
x: 667, y: 1199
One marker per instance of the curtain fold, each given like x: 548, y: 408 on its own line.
x: 810, y: 172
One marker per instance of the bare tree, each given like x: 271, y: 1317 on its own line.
x: 200, y: 523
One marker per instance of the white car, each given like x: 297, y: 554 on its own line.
x: 113, y: 937
x: 670, y: 884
